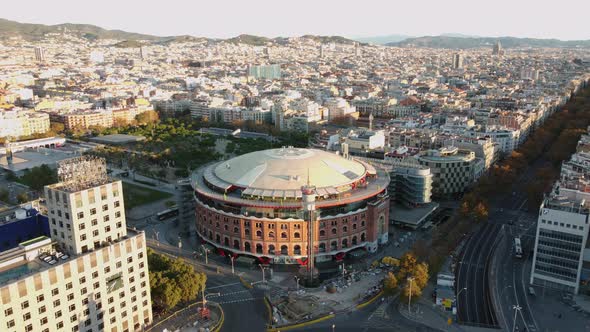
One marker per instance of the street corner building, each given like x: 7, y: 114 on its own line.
x: 82, y: 270
x: 255, y: 205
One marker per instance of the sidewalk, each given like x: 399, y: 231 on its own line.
x: 424, y: 313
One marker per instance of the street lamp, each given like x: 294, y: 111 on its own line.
x: 262, y: 268
x: 297, y: 281
x: 179, y: 245
x: 410, y: 279
x: 333, y: 327
x: 231, y: 258
x: 157, y: 235
x: 205, y: 250
x: 517, y: 309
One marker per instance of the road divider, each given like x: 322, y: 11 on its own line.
x: 302, y: 324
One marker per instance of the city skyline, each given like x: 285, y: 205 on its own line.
x: 524, y: 19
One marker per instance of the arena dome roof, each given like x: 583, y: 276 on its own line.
x: 289, y: 168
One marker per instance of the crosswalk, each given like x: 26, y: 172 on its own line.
x: 230, y: 293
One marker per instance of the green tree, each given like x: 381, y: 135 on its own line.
x: 147, y: 117
x: 420, y: 274
x: 57, y: 127
x: 22, y: 198
x: 407, y: 263
x: 173, y: 281
x: 390, y: 283
x: 38, y: 177
x: 413, y: 289
x: 4, y: 195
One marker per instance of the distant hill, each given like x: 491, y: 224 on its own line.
x: 129, y: 44
x: 249, y: 40
x: 330, y: 39
x: 36, y: 31
x: 382, y: 40
x: 474, y: 42
x: 33, y: 32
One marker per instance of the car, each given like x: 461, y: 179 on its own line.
x: 64, y: 257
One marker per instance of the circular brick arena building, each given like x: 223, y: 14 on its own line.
x: 252, y: 205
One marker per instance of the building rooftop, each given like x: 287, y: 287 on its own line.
x: 289, y: 169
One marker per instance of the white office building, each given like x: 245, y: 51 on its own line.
x: 560, y: 244
x: 91, y: 274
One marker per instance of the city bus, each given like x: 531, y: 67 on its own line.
x: 167, y: 214
x: 517, y: 248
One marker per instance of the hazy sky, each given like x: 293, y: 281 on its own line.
x: 222, y: 18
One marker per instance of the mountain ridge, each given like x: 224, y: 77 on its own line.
x: 31, y: 31
x: 454, y: 42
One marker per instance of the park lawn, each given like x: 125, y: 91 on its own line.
x: 135, y: 195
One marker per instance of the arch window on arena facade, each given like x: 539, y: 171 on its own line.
x: 345, y: 229
x: 284, y: 250
x: 363, y: 237
x: 354, y: 226
x: 354, y: 240
x: 297, y: 235
x: 334, y: 230
x: 271, y: 249
x: 217, y: 238
x: 322, y: 247
x: 322, y: 232
x: 258, y: 248
x: 258, y: 233
x: 236, y: 244
x: 236, y: 230
x: 247, y: 247
x: 344, y: 243
x: 271, y: 235
x: 226, y: 241
x: 297, y: 250
x: 333, y: 245
x: 247, y: 232
x: 283, y: 235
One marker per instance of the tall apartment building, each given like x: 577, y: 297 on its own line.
x: 269, y: 72
x: 457, y: 61
x: 562, y: 256
x: 18, y: 123
x: 411, y: 183
x: 453, y: 169
x: 39, y: 54
x: 91, y: 274
x: 86, y: 119
x: 561, y: 240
